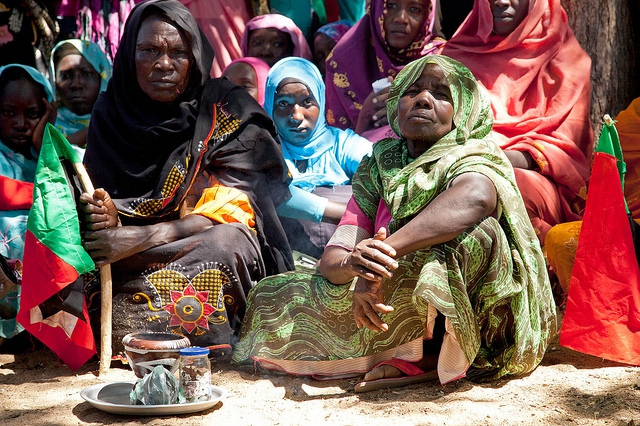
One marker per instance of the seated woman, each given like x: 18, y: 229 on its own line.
x: 321, y: 159
x: 562, y: 240
x: 538, y: 78
x: 326, y: 39
x: 194, y: 170
x: 250, y: 73
x: 437, y: 241
x: 79, y: 70
x: 273, y: 37
x: 25, y: 109
x: 401, y: 31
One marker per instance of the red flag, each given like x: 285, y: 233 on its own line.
x: 52, y: 304
x: 602, y: 316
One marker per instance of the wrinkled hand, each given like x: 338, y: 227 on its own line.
x: 372, y: 258
x: 99, y: 211
x: 113, y: 244
x: 367, y: 303
x: 49, y: 117
x: 110, y: 242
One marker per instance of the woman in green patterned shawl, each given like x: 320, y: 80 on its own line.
x: 434, y: 267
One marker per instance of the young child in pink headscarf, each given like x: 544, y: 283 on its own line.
x: 250, y: 73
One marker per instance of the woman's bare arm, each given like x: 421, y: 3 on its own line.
x: 470, y: 197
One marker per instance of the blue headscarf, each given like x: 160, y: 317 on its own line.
x: 322, y: 138
x: 68, y: 122
x: 14, y: 164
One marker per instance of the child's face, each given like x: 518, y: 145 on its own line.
x: 243, y: 75
x: 21, y: 108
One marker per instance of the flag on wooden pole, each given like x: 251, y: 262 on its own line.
x: 52, y: 305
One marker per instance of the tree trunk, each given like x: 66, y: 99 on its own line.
x: 605, y: 29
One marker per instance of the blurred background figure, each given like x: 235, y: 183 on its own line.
x: 79, y: 71
x: 325, y: 40
x: 27, y: 32
x: 273, y: 37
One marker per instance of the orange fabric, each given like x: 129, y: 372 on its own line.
x: 628, y: 126
x: 538, y: 78
x: 226, y: 205
x: 561, y: 244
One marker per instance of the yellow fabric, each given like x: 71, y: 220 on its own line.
x: 226, y: 205
x: 561, y: 242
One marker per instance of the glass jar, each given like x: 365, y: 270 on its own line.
x: 195, y: 374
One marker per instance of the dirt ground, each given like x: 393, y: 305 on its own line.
x: 568, y: 388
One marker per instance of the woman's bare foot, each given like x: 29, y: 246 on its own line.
x: 383, y: 372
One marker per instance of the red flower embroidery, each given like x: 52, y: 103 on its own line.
x: 189, y: 309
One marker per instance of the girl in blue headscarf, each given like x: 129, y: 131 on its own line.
x: 321, y: 159
x: 79, y: 71
x: 25, y: 108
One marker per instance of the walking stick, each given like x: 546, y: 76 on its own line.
x: 105, y: 288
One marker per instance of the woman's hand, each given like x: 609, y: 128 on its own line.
x: 113, y: 244
x: 100, y: 214
x: 372, y: 259
x: 49, y: 117
x: 99, y: 211
x: 367, y: 303
x: 374, y: 110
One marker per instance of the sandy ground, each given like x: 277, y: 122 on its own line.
x: 568, y: 388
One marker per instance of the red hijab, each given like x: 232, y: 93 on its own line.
x: 538, y: 78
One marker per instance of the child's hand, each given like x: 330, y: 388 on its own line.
x: 49, y: 117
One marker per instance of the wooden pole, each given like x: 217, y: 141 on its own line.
x: 105, y: 288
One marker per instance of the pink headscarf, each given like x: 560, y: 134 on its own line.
x: 282, y: 23
x: 538, y: 78
x: 261, y: 69
x: 362, y: 56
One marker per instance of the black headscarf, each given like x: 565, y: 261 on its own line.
x: 146, y: 154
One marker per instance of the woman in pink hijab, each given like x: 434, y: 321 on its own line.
x: 250, y: 73
x: 538, y: 77
x: 273, y: 37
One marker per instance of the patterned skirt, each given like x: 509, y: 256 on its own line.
x: 195, y: 287
x: 300, y: 323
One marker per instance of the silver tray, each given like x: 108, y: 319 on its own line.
x: 114, y: 398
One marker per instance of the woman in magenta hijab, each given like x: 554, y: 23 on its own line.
x: 391, y: 34
x: 273, y: 37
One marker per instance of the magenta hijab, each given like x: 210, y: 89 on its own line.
x: 261, y: 68
x: 362, y: 56
x: 282, y: 23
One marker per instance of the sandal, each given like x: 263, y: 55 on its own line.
x: 412, y: 376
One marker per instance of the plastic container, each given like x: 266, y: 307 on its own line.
x: 195, y: 374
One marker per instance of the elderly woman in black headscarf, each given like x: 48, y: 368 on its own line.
x: 189, y: 171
